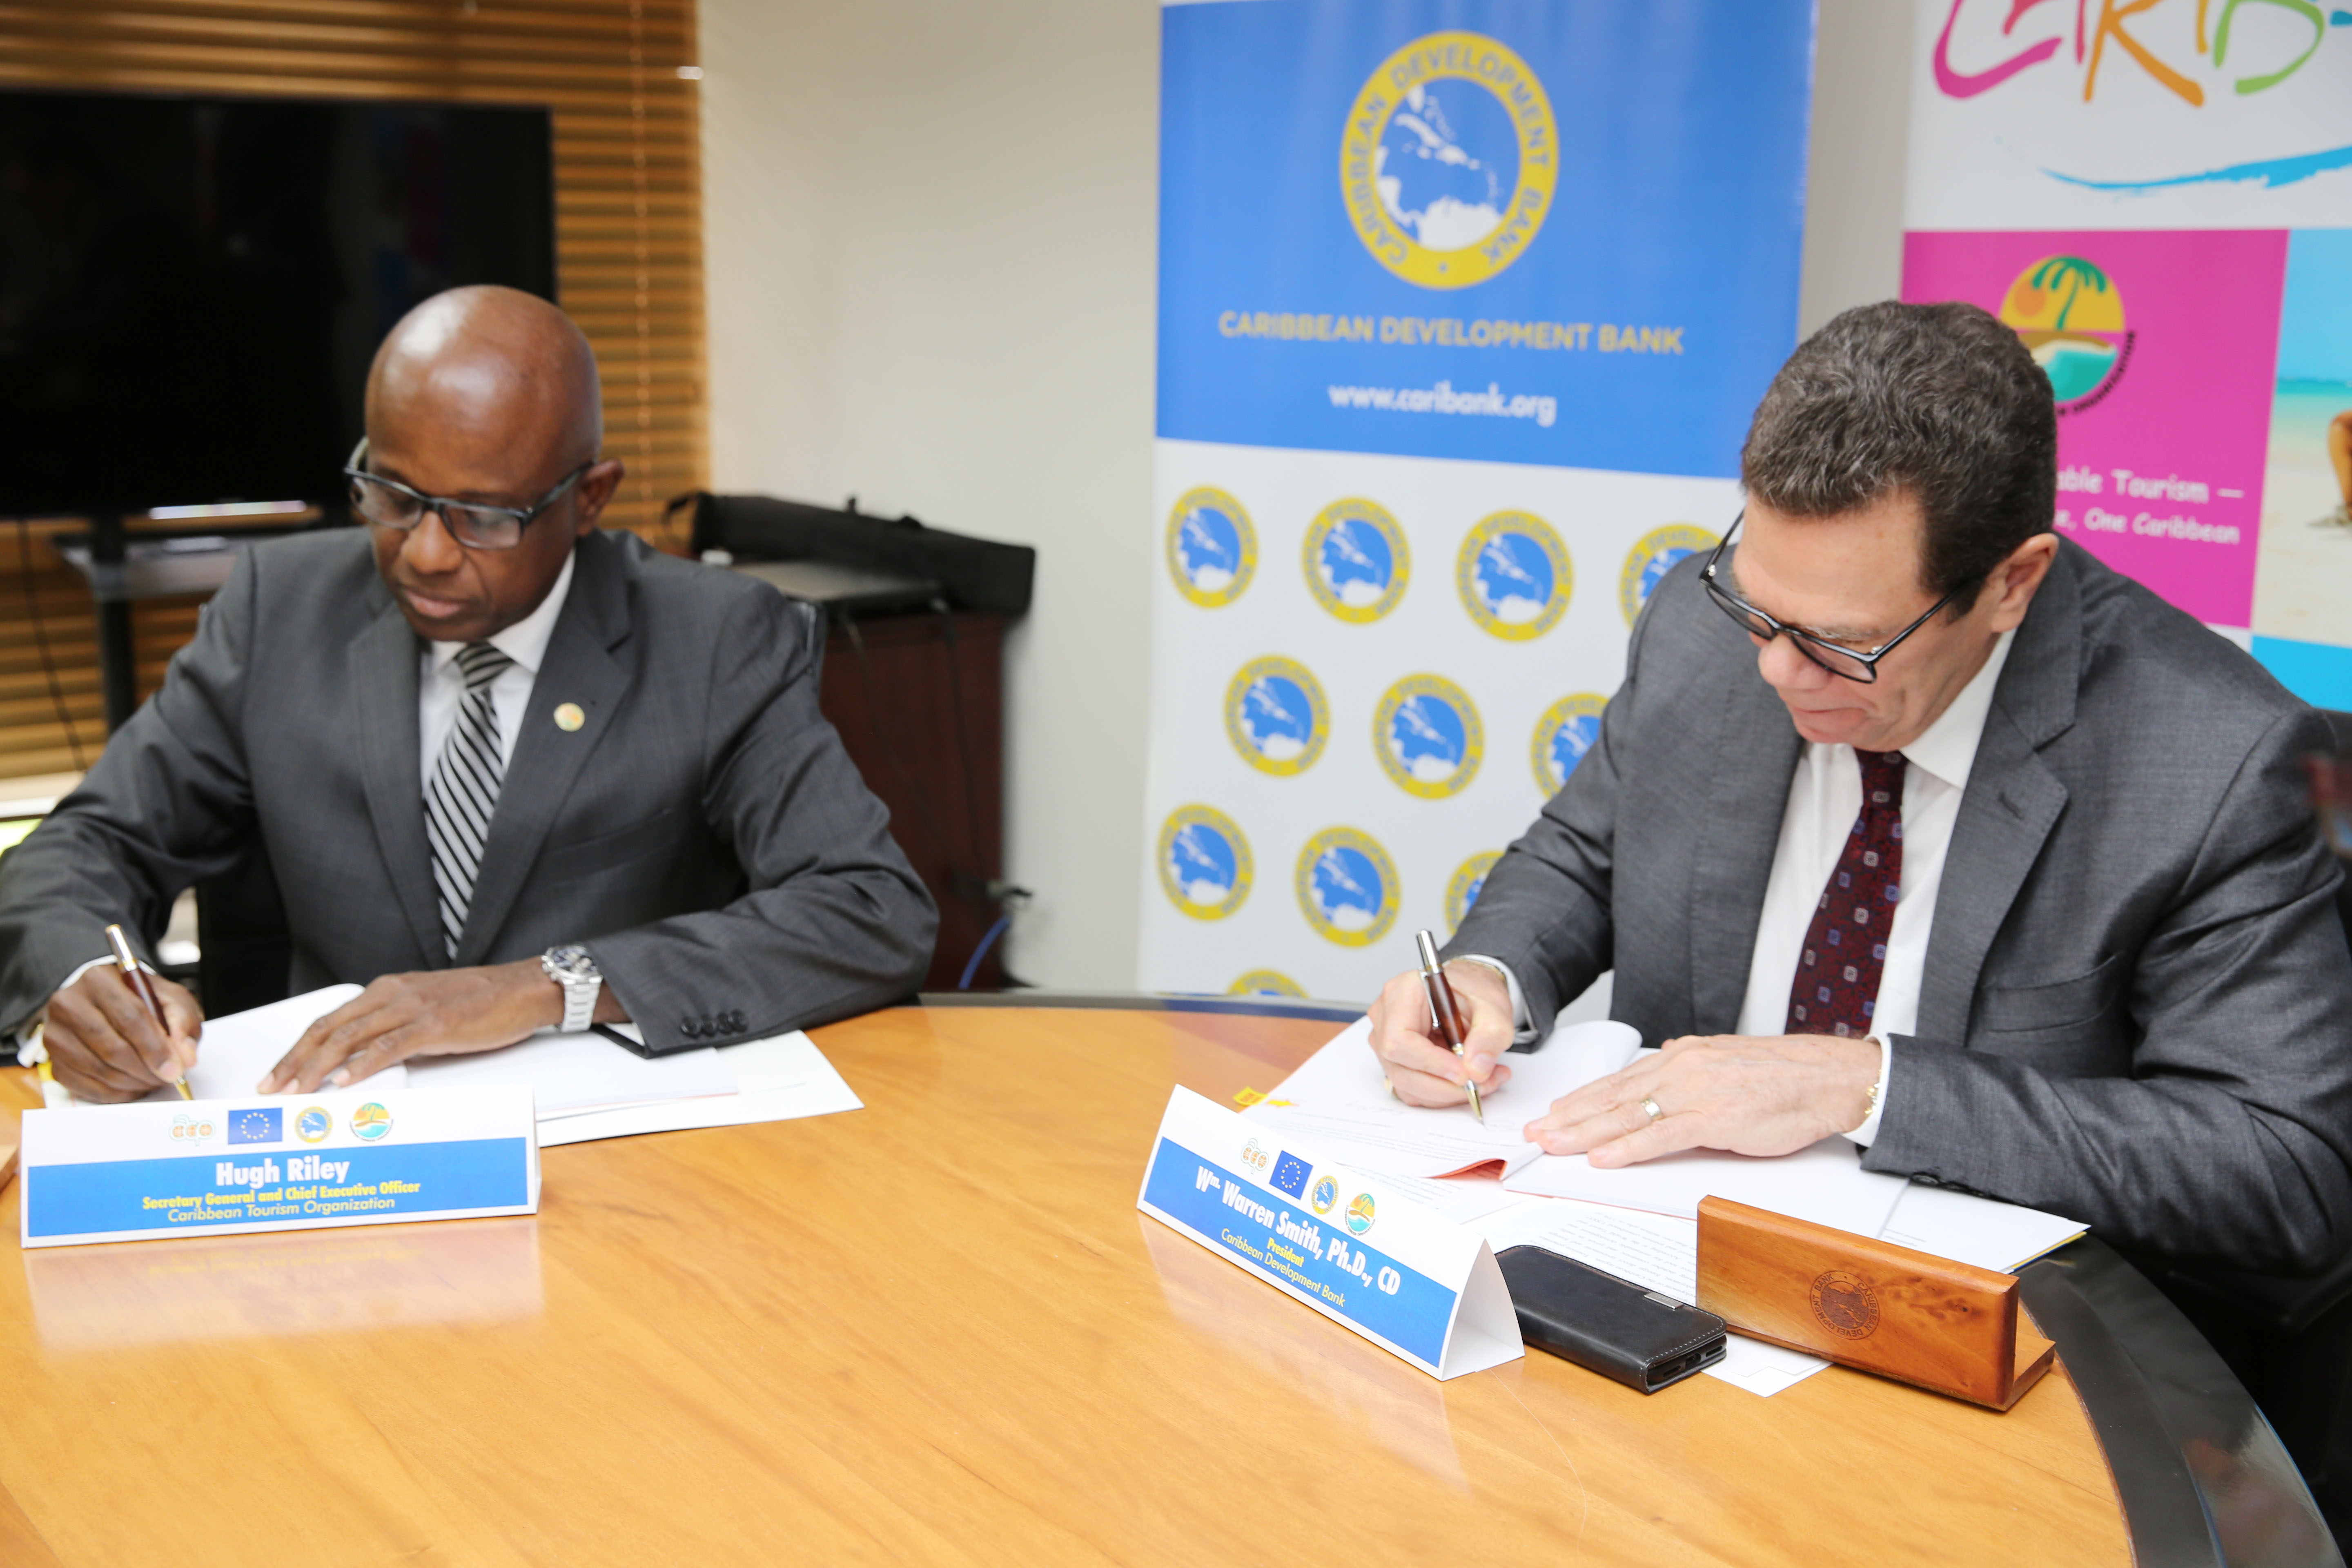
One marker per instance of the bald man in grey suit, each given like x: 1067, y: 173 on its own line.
x: 512, y: 771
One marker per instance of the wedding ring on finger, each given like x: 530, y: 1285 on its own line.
x: 1650, y: 1109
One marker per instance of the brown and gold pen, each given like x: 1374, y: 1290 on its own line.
x: 1442, y: 1010
x: 128, y: 961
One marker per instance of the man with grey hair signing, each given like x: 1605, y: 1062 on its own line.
x: 1912, y: 822
x: 512, y: 771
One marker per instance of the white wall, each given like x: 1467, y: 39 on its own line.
x: 930, y: 242
x: 931, y: 236
x: 1853, y: 182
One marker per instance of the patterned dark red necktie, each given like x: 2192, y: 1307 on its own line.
x: 1836, y: 989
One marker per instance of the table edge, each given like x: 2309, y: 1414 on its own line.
x: 2150, y: 1382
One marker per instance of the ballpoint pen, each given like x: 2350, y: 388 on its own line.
x: 128, y: 961
x: 1441, y: 1010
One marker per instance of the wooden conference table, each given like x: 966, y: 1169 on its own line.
x: 937, y: 1331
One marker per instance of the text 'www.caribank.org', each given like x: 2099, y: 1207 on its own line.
x: 1493, y: 403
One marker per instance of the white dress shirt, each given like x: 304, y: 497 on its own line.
x: 440, y: 691
x: 441, y: 685
x: 1824, y: 798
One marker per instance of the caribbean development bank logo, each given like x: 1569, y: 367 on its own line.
x: 1265, y: 982
x: 1205, y: 862
x: 1565, y: 732
x: 1356, y: 560
x: 1276, y: 716
x: 2070, y: 315
x: 1347, y: 887
x: 1514, y: 574
x: 1427, y: 735
x: 1211, y: 549
x: 1469, y: 881
x: 1448, y: 159
x: 1654, y: 556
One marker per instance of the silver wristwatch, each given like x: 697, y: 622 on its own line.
x: 570, y: 967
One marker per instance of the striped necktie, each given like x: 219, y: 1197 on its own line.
x: 465, y: 789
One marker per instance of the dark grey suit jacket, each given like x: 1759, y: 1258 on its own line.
x: 703, y: 832
x: 2137, y: 1004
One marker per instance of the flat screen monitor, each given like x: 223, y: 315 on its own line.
x: 191, y: 288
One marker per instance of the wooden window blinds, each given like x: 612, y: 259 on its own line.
x: 628, y: 240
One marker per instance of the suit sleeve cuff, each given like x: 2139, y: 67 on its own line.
x: 28, y: 1034
x: 1523, y: 1028
x: 1867, y: 1133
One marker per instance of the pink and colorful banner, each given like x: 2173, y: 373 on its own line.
x: 2157, y: 196
x: 2160, y: 348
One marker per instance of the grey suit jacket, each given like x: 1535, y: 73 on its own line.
x: 703, y: 832
x: 2137, y: 1004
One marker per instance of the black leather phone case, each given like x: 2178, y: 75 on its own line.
x: 1638, y: 1337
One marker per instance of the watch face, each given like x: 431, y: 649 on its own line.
x: 570, y: 962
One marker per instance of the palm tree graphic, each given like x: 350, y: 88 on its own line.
x: 2073, y: 275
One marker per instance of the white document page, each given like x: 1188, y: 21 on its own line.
x: 1992, y: 1235
x: 1461, y: 1199
x: 236, y: 1048
x: 1824, y: 1183
x: 585, y: 1087
x: 1340, y: 1097
x: 776, y: 1079
x: 579, y: 1072
x: 1657, y: 1252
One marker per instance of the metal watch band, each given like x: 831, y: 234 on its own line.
x: 580, y: 1004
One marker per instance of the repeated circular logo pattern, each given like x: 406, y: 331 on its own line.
x: 1276, y: 716
x: 1448, y: 159
x: 1652, y: 558
x: 1348, y: 887
x: 1205, y: 862
x: 1427, y: 735
x: 1468, y: 881
x: 1211, y: 548
x: 1566, y: 732
x: 1514, y: 575
x: 1265, y: 982
x: 1356, y: 560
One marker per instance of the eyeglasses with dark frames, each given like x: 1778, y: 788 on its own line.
x: 1853, y: 664
x: 388, y: 503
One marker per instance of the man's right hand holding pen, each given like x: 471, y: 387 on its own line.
x: 1421, y: 1070
x: 105, y: 1045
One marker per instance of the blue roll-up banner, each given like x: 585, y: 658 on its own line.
x: 1464, y: 308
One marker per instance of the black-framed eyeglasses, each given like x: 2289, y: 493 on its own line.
x: 1854, y: 664
x: 388, y: 503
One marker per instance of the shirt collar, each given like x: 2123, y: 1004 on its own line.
x: 525, y: 642
x: 1948, y: 747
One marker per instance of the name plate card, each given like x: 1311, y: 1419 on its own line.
x: 224, y: 1167
x: 1349, y: 1244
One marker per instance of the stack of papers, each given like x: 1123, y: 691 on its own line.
x: 586, y: 1086
x: 1340, y: 1096
x: 1638, y: 1223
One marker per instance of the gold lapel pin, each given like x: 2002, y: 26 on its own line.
x: 568, y: 716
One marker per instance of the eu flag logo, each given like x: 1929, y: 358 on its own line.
x: 1290, y: 1175
x: 257, y: 1125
